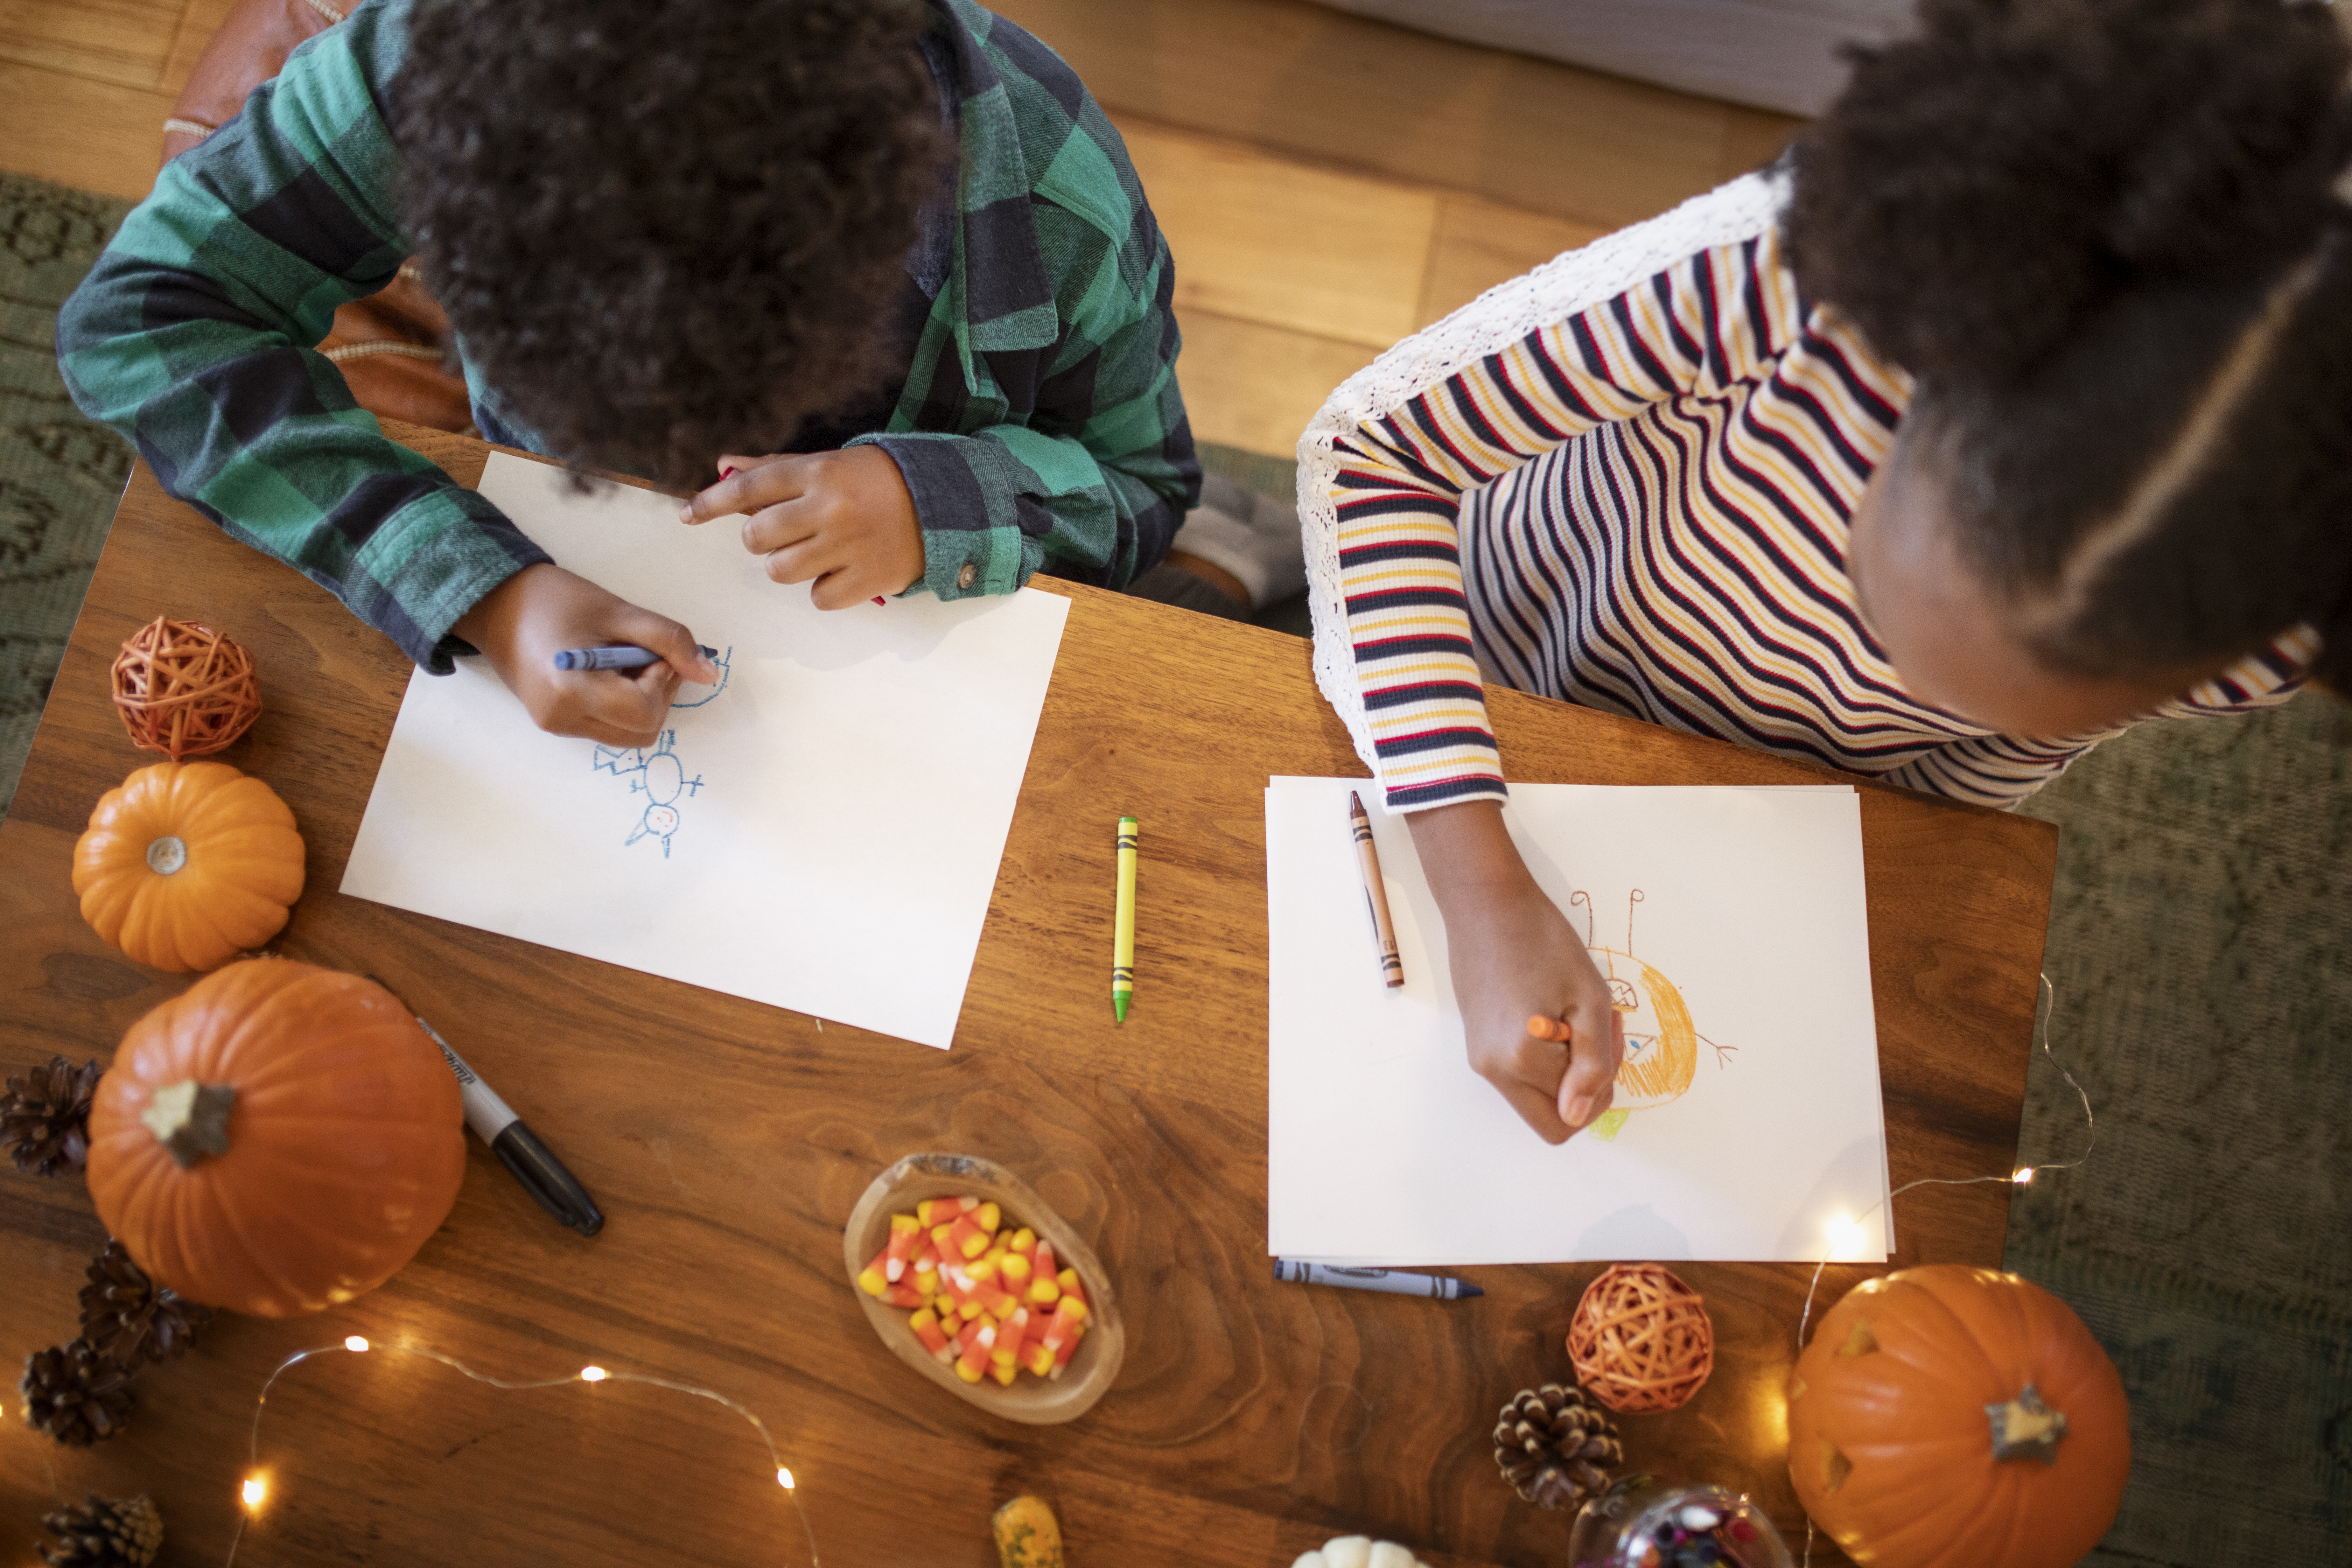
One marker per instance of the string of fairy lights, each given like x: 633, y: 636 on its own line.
x: 254, y: 1490
x: 1845, y: 1231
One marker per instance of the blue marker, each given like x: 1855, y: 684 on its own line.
x: 628, y: 656
x: 1396, y: 1282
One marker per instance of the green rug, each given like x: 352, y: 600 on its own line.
x: 61, y: 474
x: 2198, y: 943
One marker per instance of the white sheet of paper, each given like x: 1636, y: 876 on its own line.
x: 1386, y: 1147
x: 821, y: 831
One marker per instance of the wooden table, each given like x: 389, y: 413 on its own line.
x: 728, y: 1141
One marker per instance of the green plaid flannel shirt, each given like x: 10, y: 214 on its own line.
x: 1040, y: 426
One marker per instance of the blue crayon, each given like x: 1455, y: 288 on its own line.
x: 1396, y: 1282
x: 628, y: 656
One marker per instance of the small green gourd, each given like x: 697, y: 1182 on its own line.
x: 1027, y: 1536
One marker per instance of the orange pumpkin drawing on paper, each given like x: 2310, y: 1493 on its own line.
x: 1661, y: 1040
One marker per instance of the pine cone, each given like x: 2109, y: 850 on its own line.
x: 44, y: 1116
x: 129, y: 1318
x: 104, y: 1533
x: 1551, y: 1446
x: 75, y: 1394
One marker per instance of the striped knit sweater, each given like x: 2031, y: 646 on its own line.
x: 1624, y: 480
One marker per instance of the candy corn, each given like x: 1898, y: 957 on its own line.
x: 1066, y: 1317
x: 984, y: 1293
x: 965, y: 1240
x: 979, y: 1339
x: 906, y: 1238
x: 1043, y: 1289
x: 939, y: 1211
x: 925, y: 1324
x: 1009, y: 1337
x: 1069, y: 1348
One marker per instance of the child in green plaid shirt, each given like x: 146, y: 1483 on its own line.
x: 896, y: 239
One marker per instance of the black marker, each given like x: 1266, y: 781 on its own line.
x: 559, y: 1192
x: 624, y: 656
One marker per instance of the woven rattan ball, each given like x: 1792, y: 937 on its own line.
x: 184, y: 690
x: 1642, y: 1340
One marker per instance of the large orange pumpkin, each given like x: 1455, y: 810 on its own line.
x: 1953, y: 1417
x: 187, y: 864
x: 276, y: 1140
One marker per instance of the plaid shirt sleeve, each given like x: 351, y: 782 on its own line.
x: 1040, y: 426
x: 192, y: 337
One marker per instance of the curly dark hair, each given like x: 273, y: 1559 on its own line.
x: 2103, y: 237
x: 667, y: 231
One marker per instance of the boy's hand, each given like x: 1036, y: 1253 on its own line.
x: 841, y: 520
x: 1514, y: 955
x: 524, y: 622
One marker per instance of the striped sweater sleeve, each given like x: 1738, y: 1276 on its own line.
x: 2004, y: 770
x: 1692, y: 329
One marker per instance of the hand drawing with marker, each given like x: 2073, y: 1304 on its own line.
x: 659, y: 773
x: 1661, y: 1040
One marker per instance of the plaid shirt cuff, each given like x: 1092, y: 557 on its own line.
x: 426, y: 564
x: 968, y: 549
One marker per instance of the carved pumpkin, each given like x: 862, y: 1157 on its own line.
x: 276, y: 1140
x: 187, y: 864
x: 1949, y: 1417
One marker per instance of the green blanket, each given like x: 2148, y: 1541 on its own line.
x: 60, y: 473
x: 2198, y: 944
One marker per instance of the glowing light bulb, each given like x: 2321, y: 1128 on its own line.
x: 2024, y: 1176
x: 254, y: 1490
x: 1845, y: 1234
x: 784, y: 1478
x: 355, y: 1344
x: 592, y: 1374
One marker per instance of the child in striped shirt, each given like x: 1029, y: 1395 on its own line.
x: 2006, y: 412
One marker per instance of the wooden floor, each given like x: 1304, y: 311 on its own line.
x: 1328, y: 183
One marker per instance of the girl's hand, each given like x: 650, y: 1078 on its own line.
x: 841, y: 520
x: 1513, y: 956
x: 526, y: 620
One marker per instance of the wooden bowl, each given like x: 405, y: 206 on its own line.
x: 1039, y: 1402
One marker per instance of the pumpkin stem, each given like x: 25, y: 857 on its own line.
x: 2025, y: 1429
x: 190, y: 1120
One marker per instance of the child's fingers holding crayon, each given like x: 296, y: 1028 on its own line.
x: 1525, y: 1075
x: 1590, y: 1080
x: 523, y: 622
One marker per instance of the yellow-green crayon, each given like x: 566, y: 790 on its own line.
x: 1122, y: 955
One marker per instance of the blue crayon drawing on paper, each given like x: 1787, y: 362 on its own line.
x: 658, y: 774
x: 726, y: 667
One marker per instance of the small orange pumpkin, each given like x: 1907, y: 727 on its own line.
x: 277, y: 1138
x: 1948, y: 1417
x: 187, y: 864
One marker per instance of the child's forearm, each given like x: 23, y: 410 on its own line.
x: 1466, y: 852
